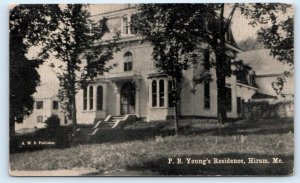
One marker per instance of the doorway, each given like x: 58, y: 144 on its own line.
x: 127, y: 99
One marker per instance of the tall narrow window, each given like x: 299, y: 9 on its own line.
x: 91, y: 98
x: 99, y: 98
x: 128, y: 58
x: 85, y: 98
x: 228, y: 99
x: 132, y: 30
x: 239, y: 105
x: 55, y: 105
x: 206, y: 59
x: 161, y: 93
x: 40, y: 119
x: 125, y: 26
x: 171, y: 96
x: 154, y: 94
x: 207, y: 95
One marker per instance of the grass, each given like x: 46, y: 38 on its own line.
x: 127, y: 152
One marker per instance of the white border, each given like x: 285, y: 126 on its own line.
x: 4, y: 107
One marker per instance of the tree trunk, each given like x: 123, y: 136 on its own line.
x: 221, y: 96
x: 221, y: 69
x: 176, y: 117
x: 74, y: 118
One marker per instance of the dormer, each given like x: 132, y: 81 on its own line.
x: 126, y: 25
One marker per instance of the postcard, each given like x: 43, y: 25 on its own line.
x: 151, y: 89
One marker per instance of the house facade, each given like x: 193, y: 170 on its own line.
x: 135, y: 86
x: 46, y: 104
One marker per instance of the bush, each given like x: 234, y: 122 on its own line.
x: 266, y: 110
x: 52, y: 122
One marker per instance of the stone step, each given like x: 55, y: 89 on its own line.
x: 110, y: 122
x: 107, y: 125
x: 118, y: 118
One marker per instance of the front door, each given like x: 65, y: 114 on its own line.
x: 128, y: 99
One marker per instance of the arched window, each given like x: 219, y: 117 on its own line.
x: 91, y: 97
x: 85, y: 98
x: 128, y: 58
x: 161, y: 93
x: 154, y: 94
x: 99, y: 98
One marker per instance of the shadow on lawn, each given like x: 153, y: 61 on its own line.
x: 161, y: 167
x: 163, y: 130
x: 143, y: 131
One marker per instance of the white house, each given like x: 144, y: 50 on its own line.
x: 136, y: 87
x: 46, y: 105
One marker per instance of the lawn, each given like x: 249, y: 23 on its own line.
x: 146, y: 148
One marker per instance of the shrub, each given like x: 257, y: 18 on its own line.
x: 265, y: 110
x: 52, y: 122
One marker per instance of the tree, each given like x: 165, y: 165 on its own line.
x: 176, y: 32
x: 28, y: 25
x: 277, y: 33
x: 81, y: 53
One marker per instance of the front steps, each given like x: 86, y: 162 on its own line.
x: 111, y: 122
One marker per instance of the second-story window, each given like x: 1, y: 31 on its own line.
x: 39, y: 104
x: 55, y: 105
x: 125, y: 23
x: 128, y: 58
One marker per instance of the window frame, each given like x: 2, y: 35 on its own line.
x: 55, y: 105
x: 161, y: 92
x: 154, y: 94
x: 125, y: 25
x: 91, y: 97
x: 39, y: 119
x: 128, y: 61
x: 207, y: 101
x: 39, y: 104
x: 99, y: 100
x: 85, y: 98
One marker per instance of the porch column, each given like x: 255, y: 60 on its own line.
x: 234, y: 98
x: 166, y: 91
x: 137, y: 97
x: 104, y: 100
x: 118, y: 98
x: 149, y: 93
x: 118, y: 102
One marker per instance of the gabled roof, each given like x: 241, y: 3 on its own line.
x: 262, y: 62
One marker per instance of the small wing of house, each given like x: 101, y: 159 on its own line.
x: 267, y: 68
